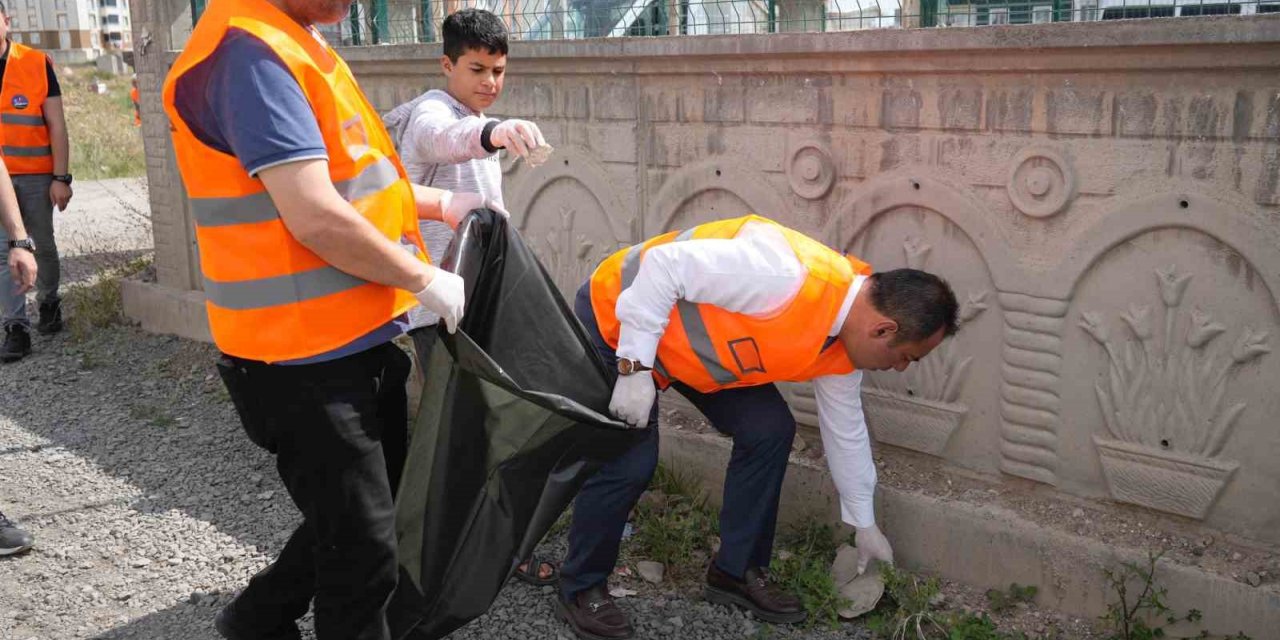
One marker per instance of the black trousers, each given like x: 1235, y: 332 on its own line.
x: 762, y: 428
x: 339, y: 433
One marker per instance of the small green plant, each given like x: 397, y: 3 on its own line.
x: 911, y: 617
x: 674, y: 528
x: 804, y: 568
x: 970, y: 627
x: 1139, y: 611
x: 1004, y: 600
x: 98, y: 305
x: 152, y: 414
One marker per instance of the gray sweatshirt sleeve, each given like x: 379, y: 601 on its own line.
x: 440, y: 137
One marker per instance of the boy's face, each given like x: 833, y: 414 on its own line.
x: 476, y: 78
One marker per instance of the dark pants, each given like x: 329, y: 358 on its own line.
x: 762, y: 428
x: 339, y: 433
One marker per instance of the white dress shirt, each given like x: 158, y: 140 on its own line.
x: 756, y: 273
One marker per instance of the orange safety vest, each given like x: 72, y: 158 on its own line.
x: 710, y: 348
x: 268, y: 297
x: 27, y: 147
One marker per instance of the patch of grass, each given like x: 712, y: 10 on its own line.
x: 98, y: 304
x: 674, y: 523
x: 1004, y: 600
x: 803, y: 567
x: 104, y: 142
x: 909, y: 614
x: 154, y: 415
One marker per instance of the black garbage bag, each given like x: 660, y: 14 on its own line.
x: 514, y: 418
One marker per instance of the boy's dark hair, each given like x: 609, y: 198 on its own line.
x: 473, y: 29
x: 2, y: 11
x: 920, y: 302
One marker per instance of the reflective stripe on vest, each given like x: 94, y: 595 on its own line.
x: 27, y: 146
x: 258, y: 207
x: 269, y: 297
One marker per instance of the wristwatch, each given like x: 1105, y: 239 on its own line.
x: 66, y: 179
x: 628, y: 366
x: 24, y: 243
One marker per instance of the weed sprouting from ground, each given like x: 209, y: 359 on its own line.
x: 1138, y: 610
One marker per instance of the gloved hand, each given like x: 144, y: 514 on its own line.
x: 455, y: 206
x: 518, y: 136
x: 633, y: 398
x: 872, y: 545
x: 445, y: 296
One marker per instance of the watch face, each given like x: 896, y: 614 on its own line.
x: 626, y: 367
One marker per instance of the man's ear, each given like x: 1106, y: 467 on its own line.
x: 885, y: 328
x: 446, y: 65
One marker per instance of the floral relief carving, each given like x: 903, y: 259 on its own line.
x: 920, y: 408
x: 1164, y: 400
x: 568, y: 254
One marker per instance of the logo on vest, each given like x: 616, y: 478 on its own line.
x: 21, y: 102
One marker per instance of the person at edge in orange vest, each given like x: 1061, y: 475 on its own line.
x: 310, y: 255
x: 136, y: 100
x: 37, y: 154
x: 721, y: 312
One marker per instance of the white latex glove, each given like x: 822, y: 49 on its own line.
x: 872, y: 545
x: 455, y: 206
x: 445, y: 297
x: 633, y: 398
x: 518, y: 136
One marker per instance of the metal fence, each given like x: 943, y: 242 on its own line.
x: 404, y: 21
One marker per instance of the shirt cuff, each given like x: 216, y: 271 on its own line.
x: 486, y: 137
x: 638, y: 345
x: 859, y: 513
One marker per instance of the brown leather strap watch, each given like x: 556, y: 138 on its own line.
x: 628, y: 366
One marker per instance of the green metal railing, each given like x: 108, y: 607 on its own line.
x: 401, y: 21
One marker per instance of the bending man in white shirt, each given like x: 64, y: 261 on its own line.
x: 721, y: 312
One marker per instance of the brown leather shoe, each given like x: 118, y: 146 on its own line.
x: 767, y: 601
x: 593, y: 615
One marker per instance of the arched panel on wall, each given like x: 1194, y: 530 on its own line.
x: 905, y: 220
x: 714, y: 189
x: 1174, y: 299
x: 569, y: 214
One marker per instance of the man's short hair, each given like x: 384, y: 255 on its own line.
x: 473, y: 29
x: 921, y: 303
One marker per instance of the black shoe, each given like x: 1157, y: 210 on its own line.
x: 594, y: 616
x: 232, y: 629
x: 50, y: 318
x: 13, y: 540
x: 755, y: 593
x: 17, y: 344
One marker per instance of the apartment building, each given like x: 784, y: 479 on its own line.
x: 71, y: 31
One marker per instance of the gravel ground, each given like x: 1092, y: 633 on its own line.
x: 150, y: 508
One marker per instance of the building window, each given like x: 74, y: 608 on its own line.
x: 1269, y: 8
x: 1088, y: 11
x: 35, y: 37
x: 1042, y: 14
x: 998, y: 15
x: 62, y: 21
x: 113, y: 19
x: 1210, y: 9
x: 1122, y: 13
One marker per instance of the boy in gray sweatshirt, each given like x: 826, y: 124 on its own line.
x: 447, y: 142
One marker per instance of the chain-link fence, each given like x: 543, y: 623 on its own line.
x: 401, y: 21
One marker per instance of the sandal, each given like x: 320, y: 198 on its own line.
x: 533, y: 570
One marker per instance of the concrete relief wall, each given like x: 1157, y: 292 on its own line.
x: 1104, y: 198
